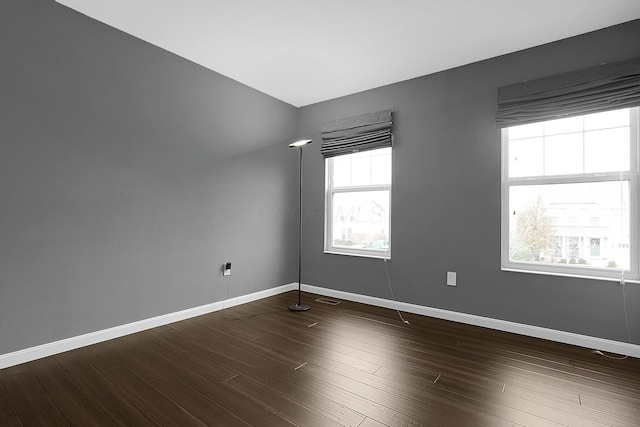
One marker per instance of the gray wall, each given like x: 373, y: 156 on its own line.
x: 122, y: 187
x: 129, y: 175
x: 446, y: 197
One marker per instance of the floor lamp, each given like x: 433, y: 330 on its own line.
x: 299, y: 306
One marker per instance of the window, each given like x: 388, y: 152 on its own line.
x: 358, y: 203
x: 570, y: 195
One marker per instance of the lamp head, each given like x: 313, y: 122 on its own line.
x: 300, y: 143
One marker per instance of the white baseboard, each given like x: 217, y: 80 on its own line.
x: 487, y: 322
x: 49, y: 349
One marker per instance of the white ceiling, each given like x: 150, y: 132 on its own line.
x: 307, y: 51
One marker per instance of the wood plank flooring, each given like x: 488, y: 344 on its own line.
x: 336, y: 365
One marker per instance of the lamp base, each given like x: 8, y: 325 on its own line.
x: 298, y: 307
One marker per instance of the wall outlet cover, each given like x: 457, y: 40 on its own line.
x: 451, y: 278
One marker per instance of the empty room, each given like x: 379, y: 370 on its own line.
x: 304, y: 213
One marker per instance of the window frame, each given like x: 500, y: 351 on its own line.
x: 631, y: 275
x: 330, y: 190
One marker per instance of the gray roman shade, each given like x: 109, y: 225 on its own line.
x: 359, y: 133
x: 591, y: 90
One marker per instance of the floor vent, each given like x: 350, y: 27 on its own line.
x: 328, y: 301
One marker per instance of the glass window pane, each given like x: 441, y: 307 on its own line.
x: 608, y: 119
x: 607, y: 150
x: 526, y: 131
x: 359, y: 203
x: 381, y: 168
x: 366, y: 215
x: 341, y: 172
x: 563, y: 154
x: 566, y: 125
x: 526, y: 157
x: 361, y: 171
x: 571, y: 238
x: 363, y: 168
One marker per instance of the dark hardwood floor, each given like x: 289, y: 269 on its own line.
x: 336, y: 365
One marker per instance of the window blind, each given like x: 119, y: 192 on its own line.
x: 590, y: 90
x: 359, y: 133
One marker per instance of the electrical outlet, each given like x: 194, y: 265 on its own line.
x: 451, y: 278
x: 226, y: 269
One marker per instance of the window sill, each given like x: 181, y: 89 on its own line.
x: 384, y: 255
x: 630, y: 279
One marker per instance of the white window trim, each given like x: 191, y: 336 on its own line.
x: 328, y: 224
x: 631, y: 276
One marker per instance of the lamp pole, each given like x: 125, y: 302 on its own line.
x: 299, y: 306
